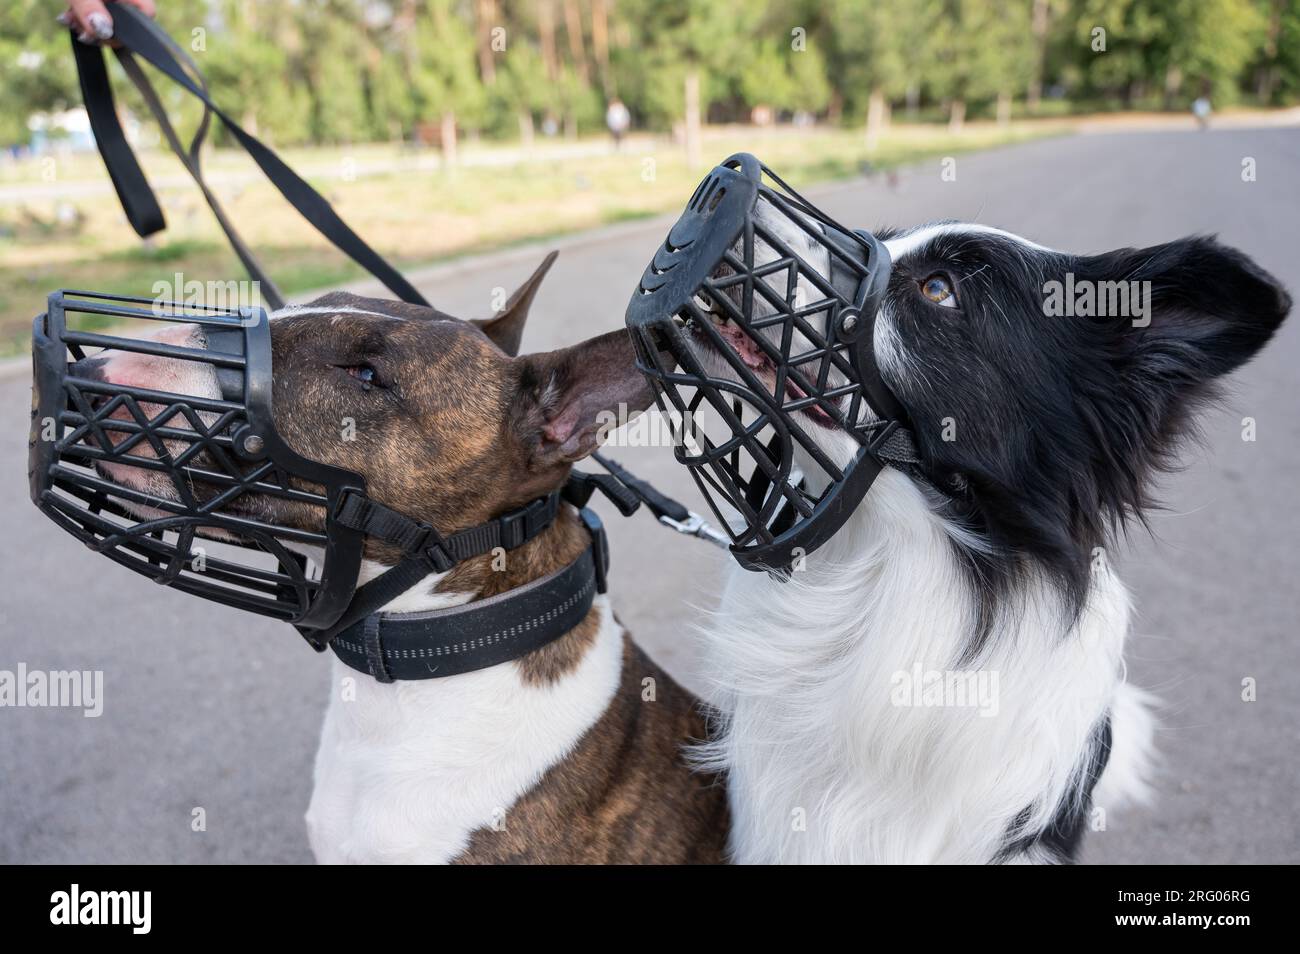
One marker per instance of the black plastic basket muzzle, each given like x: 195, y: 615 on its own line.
x: 756, y: 265
x: 218, y: 460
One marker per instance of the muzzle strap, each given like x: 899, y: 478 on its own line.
x: 424, y: 549
x: 419, y: 540
x: 372, y: 518
x: 374, y: 649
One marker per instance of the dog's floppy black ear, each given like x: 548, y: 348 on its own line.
x: 506, y: 329
x: 570, y: 399
x: 1206, y: 310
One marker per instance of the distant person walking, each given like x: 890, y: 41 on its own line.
x: 618, y: 119
x: 1201, y: 110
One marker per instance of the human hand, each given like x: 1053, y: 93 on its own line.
x: 91, y: 20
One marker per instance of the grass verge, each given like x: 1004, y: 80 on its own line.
x: 73, y: 235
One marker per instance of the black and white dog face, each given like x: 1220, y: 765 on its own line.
x: 1058, y: 384
x: 1052, y: 386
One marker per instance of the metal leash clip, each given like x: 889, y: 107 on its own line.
x: 696, y: 526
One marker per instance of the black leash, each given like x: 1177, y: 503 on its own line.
x: 140, y: 36
x: 666, y: 510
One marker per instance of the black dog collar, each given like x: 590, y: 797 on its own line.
x: 460, y: 639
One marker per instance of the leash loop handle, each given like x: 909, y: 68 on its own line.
x: 133, y: 192
x: 141, y: 36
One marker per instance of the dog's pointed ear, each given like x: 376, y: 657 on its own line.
x: 506, y: 329
x: 569, y: 400
x: 1202, y: 310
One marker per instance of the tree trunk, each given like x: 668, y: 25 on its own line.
x: 875, y: 118
x: 1173, y: 82
x: 570, y: 125
x: 1038, y: 25
x: 912, y: 99
x: 573, y: 26
x: 835, y: 109
x: 526, y: 129
x: 1004, y: 109
x: 1267, y: 77
x: 447, y: 137
x: 692, y: 90
x: 546, y: 32
x: 1268, y: 73
x: 485, y: 15
x: 600, y: 44
x: 956, y: 115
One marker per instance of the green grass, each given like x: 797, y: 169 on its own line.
x: 413, y: 214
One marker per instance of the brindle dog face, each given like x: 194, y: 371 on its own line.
x: 438, y: 415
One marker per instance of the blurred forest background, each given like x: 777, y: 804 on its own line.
x: 439, y: 127
x: 340, y: 71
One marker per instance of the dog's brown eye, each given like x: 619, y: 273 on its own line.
x: 938, y: 289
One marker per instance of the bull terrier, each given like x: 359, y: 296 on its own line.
x: 569, y: 754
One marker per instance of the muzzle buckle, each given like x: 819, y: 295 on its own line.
x: 522, y: 525
x: 432, y: 548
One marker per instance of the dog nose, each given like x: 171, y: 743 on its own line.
x: 90, y: 369
x: 133, y: 368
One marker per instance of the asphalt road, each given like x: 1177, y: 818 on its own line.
x: 205, y: 707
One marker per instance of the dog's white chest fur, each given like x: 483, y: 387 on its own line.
x: 826, y: 763
x: 407, y: 771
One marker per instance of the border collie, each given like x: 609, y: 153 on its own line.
x: 944, y: 680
